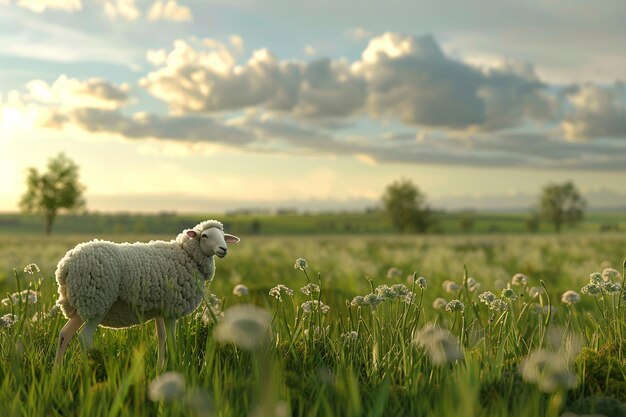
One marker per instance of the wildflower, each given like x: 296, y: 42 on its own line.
x: 8, y: 320
x: 32, y: 268
x: 439, y: 343
x: 451, y: 286
x: 535, y: 292
x: 385, y: 292
x: 421, y: 282
x: 167, y: 387
x: 595, y: 278
x: 214, y: 302
x: 27, y: 297
x: 519, y: 279
x: 399, y: 290
x: 317, y: 332
x: 487, y: 297
x: 310, y: 289
x: 498, y: 305
x: 611, y: 287
x: 373, y: 300
x: 440, y: 303
x: 591, y: 289
x: 570, y: 297
x: 393, y: 273
x: 610, y: 274
x: 245, y: 325
x: 472, y: 284
x: 455, y: 305
x: 240, y: 290
x: 549, y: 370
x: 350, y: 336
x: 300, y: 264
x: 408, y: 298
x: 314, y: 305
x: 358, y: 301
x: 277, y: 291
x: 509, y: 294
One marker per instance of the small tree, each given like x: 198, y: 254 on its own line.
x: 56, y: 189
x: 561, y: 204
x: 406, y: 206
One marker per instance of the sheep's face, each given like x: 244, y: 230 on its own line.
x: 213, y: 241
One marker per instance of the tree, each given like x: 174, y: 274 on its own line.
x: 406, y: 206
x: 56, y: 189
x: 561, y: 204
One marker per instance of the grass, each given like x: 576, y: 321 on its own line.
x: 313, y: 365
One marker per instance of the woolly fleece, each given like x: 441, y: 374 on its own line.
x: 126, y: 284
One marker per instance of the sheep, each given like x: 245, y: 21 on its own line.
x: 113, y: 285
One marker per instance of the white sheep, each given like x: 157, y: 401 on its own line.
x: 115, y: 285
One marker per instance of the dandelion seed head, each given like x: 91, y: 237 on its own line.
x: 535, y: 292
x: 570, y: 297
x: 454, y: 306
x: 245, y: 325
x: 519, y: 279
x: 472, y: 284
x: 310, y: 289
x: 440, y: 303
x: 591, y: 289
x: 167, y: 387
x: 487, y: 297
x: 610, y: 274
x: 301, y: 264
x: 451, y: 286
x: 421, y: 282
x: 32, y: 268
x: 240, y: 290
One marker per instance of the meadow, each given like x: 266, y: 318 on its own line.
x: 508, y: 346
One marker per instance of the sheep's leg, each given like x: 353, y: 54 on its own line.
x: 160, y: 329
x: 65, y: 336
x: 86, y: 335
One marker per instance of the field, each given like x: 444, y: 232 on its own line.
x: 527, y: 354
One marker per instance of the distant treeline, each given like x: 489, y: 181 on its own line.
x: 292, y: 222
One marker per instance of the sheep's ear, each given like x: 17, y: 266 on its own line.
x: 192, y: 234
x: 230, y: 238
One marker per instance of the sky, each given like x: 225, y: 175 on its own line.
x: 200, y: 105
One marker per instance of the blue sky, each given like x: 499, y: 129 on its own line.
x: 215, y: 105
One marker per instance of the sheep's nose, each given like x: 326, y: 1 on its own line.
x: 224, y: 249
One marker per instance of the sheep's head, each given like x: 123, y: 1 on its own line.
x: 213, y: 241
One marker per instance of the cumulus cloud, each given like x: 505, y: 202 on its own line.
x: 406, y: 78
x: 124, y: 9
x: 595, y: 111
x: 38, y: 6
x: 169, y: 10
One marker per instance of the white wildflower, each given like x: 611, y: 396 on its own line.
x: 358, y: 301
x: 408, y: 298
x: 549, y: 370
x: 610, y: 274
x: 472, y: 284
x: 400, y: 290
x: 570, y: 297
x: 393, y: 273
x: 440, y: 303
x: 314, y: 305
x: 421, y: 282
x: 385, y: 292
x: 591, y: 289
x: 451, y: 286
x: 167, y: 387
x: 487, y: 297
x: 240, y: 290
x: 612, y: 288
x: 8, y: 320
x: 455, y: 305
x: 498, y: 305
x: 439, y: 343
x: 32, y: 268
x: 310, y: 289
x: 245, y: 325
x: 349, y: 336
x: 277, y: 291
x: 595, y: 278
x: 535, y: 292
x: 519, y: 279
x: 373, y: 300
x: 301, y: 264
x: 27, y: 297
x: 509, y: 294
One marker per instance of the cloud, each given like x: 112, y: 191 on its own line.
x: 357, y: 34
x: 405, y: 78
x: 72, y: 93
x: 595, y: 111
x: 169, y: 10
x: 125, y: 9
x: 39, y: 6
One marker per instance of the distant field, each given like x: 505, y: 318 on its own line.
x: 295, y: 223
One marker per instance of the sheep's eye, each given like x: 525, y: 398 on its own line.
x: 204, y: 236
